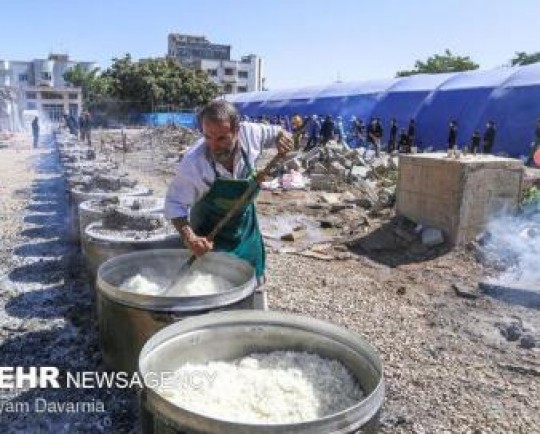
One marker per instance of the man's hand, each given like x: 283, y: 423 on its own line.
x: 284, y: 142
x: 199, y: 245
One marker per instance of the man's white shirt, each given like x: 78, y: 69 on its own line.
x: 195, y: 173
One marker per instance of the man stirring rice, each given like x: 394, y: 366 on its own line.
x: 213, y: 174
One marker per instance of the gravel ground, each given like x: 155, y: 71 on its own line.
x: 447, y: 363
x: 46, y: 305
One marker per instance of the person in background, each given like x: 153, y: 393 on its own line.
x: 411, y: 132
x: 392, y: 139
x: 452, y: 136
x: 339, y: 130
x: 404, y: 143
x: 327, y: 130
x: 475, y: 142
x: 362, y: 133
x: 81, y: 127
x: 375, y: 133
x: 371, y: 132
x: 352, y: 132
x: 35, y: 131
x: 86, y: 127
x: 297, y: 125
x: 489, y: 137
x: 313, y: 130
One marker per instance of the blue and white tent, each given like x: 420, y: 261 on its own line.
x: 508, y: 96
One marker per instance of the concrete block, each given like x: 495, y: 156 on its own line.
x: 459, y: 196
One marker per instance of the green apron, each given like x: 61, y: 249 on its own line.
x: 241, y: 235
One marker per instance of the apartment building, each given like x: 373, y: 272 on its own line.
x: 233, y: 76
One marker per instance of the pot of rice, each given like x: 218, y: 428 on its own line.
x: 131, y: 305
x: 259, y: 372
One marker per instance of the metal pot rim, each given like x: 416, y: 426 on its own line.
x: 356, y: 416
x: 97, y: 237
x: 158, y: 203
x: 173, y: 304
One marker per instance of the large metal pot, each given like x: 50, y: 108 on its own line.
x: 78, y: 196
x: 126, y: 320
x: 91, y: 211
x: 232, y: 335
x: 99, y: 247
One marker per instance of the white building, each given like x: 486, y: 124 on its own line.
x: 42, y: 86
x: 233, y: 76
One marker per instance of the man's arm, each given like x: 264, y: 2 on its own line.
x: 259, y: 137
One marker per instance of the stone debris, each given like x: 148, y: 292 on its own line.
x: 432, y: 237
x: 465, y: 291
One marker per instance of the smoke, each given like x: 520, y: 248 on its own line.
x: 512, y: 245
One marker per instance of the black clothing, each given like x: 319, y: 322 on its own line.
x: 489, y: 139
x: 452, y: 137
x: 475, y: 142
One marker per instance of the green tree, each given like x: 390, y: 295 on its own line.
x: 151, y: 83
x: 94, y: 85
x: 522, y: 58
x: 441, y: 63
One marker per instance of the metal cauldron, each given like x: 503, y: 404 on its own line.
x: 78, y: 196
x: 91, y: 211
x: 126, y: 320
x: 98, y: 247
x: 231, y: 335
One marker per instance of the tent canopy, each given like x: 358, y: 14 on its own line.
x: 508, y: 96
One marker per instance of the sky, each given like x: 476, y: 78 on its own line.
x: 302, y: 42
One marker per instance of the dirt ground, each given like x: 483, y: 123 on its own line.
x: 449, y: 363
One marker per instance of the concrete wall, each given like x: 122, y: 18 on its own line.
x: 457, y: 196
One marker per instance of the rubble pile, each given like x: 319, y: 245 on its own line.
x: 337, y: 168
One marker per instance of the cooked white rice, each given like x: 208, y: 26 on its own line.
x: 265, y: 388
x: 140, y: 285
x: 193, y: 283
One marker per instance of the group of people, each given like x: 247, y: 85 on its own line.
x: 315, y: 130
x: 82, y: 125
x: 476, y: 139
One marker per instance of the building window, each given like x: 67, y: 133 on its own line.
x: 23, y: 78
x: 51, y: 95
x: 73, y: 96
x: 212, y: 72
x: 242, y: 89
x: 31, y: 106
x: 31, y: 95
x: 229, y: 71
x: 242, y: 74
x: 227, y: 88
x: 45, y: 75
x: 54, y: 112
